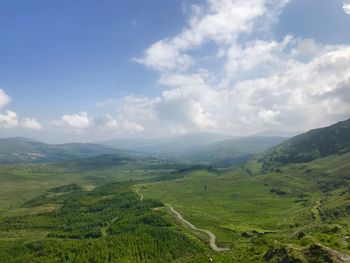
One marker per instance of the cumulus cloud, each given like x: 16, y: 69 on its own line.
x: 246, y: 83
x: 79, y: 121
x: 8, y: 120
x: 346, y: 7
x: 4, y: 98
x: 220, y: 21
x: 82, y: 123
x: 262, y: 83
x: 106, y: 122
x: 31, y: 124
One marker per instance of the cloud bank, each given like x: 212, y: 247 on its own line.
x: 252, y: 83
x: 225, y: 72
x: 346, y: 7
x: 9, y: 119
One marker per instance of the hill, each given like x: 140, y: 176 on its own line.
x: 317, y: 143
x: 176, y: 145
x: 232, y: 152
x: 24, y: 150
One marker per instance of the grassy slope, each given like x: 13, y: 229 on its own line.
x: 312, y: 199
x: 317, y: 143
x: 21, y: 182
x: 23, y: 150
x: 232, y: 152
x: 252, y: 209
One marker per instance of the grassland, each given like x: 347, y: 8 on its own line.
x: 296, y: 212
x: 20, y: 182
x: 293, y: 206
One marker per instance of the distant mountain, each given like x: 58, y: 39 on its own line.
x: 234, y: 151
x: 181, y: 144
x: 17, y: 150
x: 276, y: 133
x: 314, y: 144
x: 134, y: 144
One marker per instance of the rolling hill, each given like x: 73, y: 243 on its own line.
x: 317, y: 143
x: 24, y: 150
x: 234, y: 151
x: 177, y: 145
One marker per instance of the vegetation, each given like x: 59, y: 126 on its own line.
x: 233, y: 152
x: 284, y: 213
x: 314, y: 144
x: 23, y: 150
x: 109, y: 223
x: 283, y: 206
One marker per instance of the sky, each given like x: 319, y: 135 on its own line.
x: 88, y: 70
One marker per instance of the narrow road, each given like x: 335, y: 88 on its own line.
x: 212, y: 237
x: 315, y: 210
x: 139, y: 194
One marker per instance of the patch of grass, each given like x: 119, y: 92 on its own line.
x: 289, y: 206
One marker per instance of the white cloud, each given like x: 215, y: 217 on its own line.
x: 296, y: 88
x: 31, y: 124
x: 4, y: 98
x: 346, y: 8
x: 220, y: 21
x: 263, y: 55
x: 79, y: 121
x: 8, y: 120
x: 107, y: 122
x: 306, y: 48
x: 82, y: 123
x: 242, y: 87
x: 293, y: 84
x: 163, y: 55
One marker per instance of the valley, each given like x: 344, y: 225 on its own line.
x: 124, y: 207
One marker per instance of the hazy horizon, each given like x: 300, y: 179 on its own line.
x: 89, y: 71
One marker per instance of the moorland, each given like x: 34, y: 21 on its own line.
x: 262, y: 199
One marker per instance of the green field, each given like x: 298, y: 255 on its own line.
x: 107, y: 209
x: 293, y: 207
x: 258, y: 214
x: 20, y: 182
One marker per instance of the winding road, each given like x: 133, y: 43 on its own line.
x: 212, y: 237
x: 139, y: 194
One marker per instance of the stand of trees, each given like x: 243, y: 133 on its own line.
x: 108, y: 224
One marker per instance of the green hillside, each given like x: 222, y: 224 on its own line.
x: 114, y: 208
x: 314, y: 144
x: 298, y: 213
x: 232, y: 152
x: 23, y: 150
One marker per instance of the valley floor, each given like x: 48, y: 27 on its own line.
x: 137, y: 213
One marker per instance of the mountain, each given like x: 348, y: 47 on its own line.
x: 133, y: 144
x: 234, y: 151
x: 311, y: 145
x: 276, y: 133
x: 24, y: 150
x: 181, y: 144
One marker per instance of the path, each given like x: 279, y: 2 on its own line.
x: 139, y: 194
x: 212, y: 237
x: 315, y: 210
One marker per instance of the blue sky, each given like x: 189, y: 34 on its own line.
x: 77, y: 52
x: 88, y: 70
